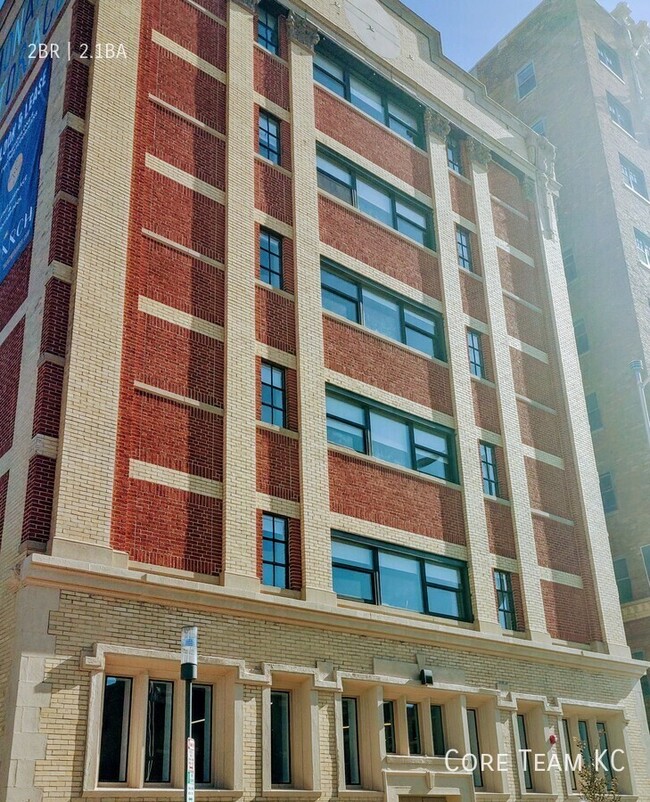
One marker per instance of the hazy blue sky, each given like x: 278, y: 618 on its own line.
x: 470, y: 28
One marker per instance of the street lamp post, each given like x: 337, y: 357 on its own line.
x: 189, y: 661
x: 636, y: 366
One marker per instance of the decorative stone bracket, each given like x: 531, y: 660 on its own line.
x: 436, y: 125
x: 302, y: 31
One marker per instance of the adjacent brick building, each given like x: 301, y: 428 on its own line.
x: 290, y: 357
x: 588, y: 93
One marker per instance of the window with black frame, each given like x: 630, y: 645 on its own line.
x: 270, y: 258
x: 524, y: 754
x: 350, y: 723
x: 413, y: 728
x: 280, y: 737
x: 475, y: 353
x: 505, y: 600
x: 455, y: 153
x: 620, y: 114
x: 158, y: 747
x: 116, y: 720
x: 438, y: 730
x: 269, y: 137
x: 489, y: 469
x: 389, y: 727
x: 274, y: 401
x: 464, y: 249
x: 268, y: 25
x: 377, y: 573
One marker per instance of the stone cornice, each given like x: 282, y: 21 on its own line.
x: 436, y: 124
x: 302, y: 31
x: 478, y: 152
x: 249, y: 5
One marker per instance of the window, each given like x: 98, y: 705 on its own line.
x: 116, y: 719
x: 464, y: 248
x: 271, y: 258
x: 489, y: 469
x: 642, y: 247
x: 609, y: 57
x: 158, y: 749
x: 280, y: 738
x: 583, y: 739
x: 390, y: 436
x: 593, y: 412
x: 623, y: 581
x: 389, y: 728
x: 568, y: 742
x: 607, y: 492
x: 455, y: 153
x: 273, y: 395
x: 539, y: 126
x: 399, y: 577
x: 202, y: 732
x: 374, y: 99
x: 645, y: 553
x: 526, y: 80
x: 505, y: 600
x: 413, y: 728
x: 269, y: 137
x: 351, y: 741
x: 570, y: 269
x: 374, y: 198
x: 267, y: 30
x: 275, y: 548
x: 474, y: 745
x: 603, y: 747
x: 620, y: 114
x: 645, y: 679
x: 475, y: 354
x: 633, y: 177
x: 580, y: 332
x: 383, y: 312
x: 438, y: 729
x: 524, y: 754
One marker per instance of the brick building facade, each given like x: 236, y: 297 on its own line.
x: 592, y: 76
x: 290, y: 358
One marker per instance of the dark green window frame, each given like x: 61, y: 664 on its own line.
x: 523, y: 747
x: 438, y: 730
x: 464, y: 249
x: 603, y: 747
x: 341, y: 178
x: 455, y: 153
x: 420, y: 454
x: 389, y: 727
x: 475, y: 353
x: 268, y: 25
x: 413, y: 728
x: 344, y: 294
x: 340, y: 77
x: 369, y: 573
x: 505, y: 600
x: 489, y: 471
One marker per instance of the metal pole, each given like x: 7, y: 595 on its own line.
x: 189, y: 663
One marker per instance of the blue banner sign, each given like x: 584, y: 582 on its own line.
x: 31, y: 26
x: 20, y: 154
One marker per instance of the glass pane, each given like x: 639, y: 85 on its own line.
x: 444, y: 602
x: 474, y: 746
x: 328, y: 66
x: 115, y: 730
x: 354, y: 584
x: 400, y: 580
x: 340, y: 305
x: 280, y: 738
x: 333, y: 170
x: 366, y: 99
x: 432, y: 464
x: 350, y: 554
x: 346, y: 410
x: 411, y: 230
x: 374, y: 202
x: 411, y: 214
x: 438, y: 730
x: 423, y: 342
x: 341, y: 285
x: 390, y: 439
x: 431, y: 440
x: 347, y: 435
x: 389, y: 727
x: 382, y: 315
x: 413, y: 728
x: 403, y: 130
x: 351, y: 742
x: 159, y: 732
x: 583, y: 737
x: 202, y: 731
x: 446, y: 576
x: 420, y: 322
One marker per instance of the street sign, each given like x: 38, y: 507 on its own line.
x: 189, y: 779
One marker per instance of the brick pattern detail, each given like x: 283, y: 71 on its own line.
x: 533, y: 378
x: 76, y: 89
x: 375, y: 142
x: 556, y: 544
x: 462, y: 197
x: 519, y: 278
x: 538, y: 428
x: 10, y: 357
x: 367, y: 358
x: 278, y: 471
x: 275, y: 321
x: 54, y: 334
x: 271, y: 78
x: 294, y: 551
x: 273, y: 192
x: 81, y: 30
x: 361, y: 238
x: 473, y: 294
x: 14, y: 288
x: 4, y: 485
x: 64, y: 231
x: 195, y: 31
x: 505, y: 186
x: 373, y: 492
x: 512, y: 228
x: 547, y: 488
x: 501, y: 533
x: 47, y: 410
x: 37, y: 520
x: 486, y: 407
x: 566, y: 612
x: 525, y: 324
x: 68, y: 169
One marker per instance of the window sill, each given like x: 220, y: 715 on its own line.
x: 465, y: 271
x: 268, y: 53
x: 281, y: 793
x: 482, y: 380
x: 289, y: 296
x: 461, y: 177
x: 497, y: 500
x: 615, y: 74
x: 625, y: 131
x: 383, y: 609
x: 355, y: 793
x: 161, y: 793
x: 269, y: 163
x: 271, y: 427
x: 636, y: 194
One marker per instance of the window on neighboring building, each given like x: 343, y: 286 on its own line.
x: 158, y: 748
x: 623, y: 581
x: 645, y: 679
x: 455, y: 153
x: 539, y: 126
x: 271, y: 258
x: 505, y: 600
x: 607, y: 492
x: 274, y: 401
x: 269, y: 137
x: 568, y: 743
x: 609, y: 57
x: 475, y: 745
x: 390, y: 435
x: 400, y: 577
x: 268, y: 29
x: 438, y: 729
x: 275, y: 550
x: 413, y: 728
x: 371, y: 196
x: 642, y: 247
x: 464, y: 248
x: 593, y: 412
x: 280, y: 737
x: 524, y: 754
x: 580, y: 332
x: 645, y: 553
x: 526, y: 80
x: 633, y: 177
x: 116, y: 720
x: 570, y: 269
x: 475, y: 353
x: 382, y: 311
x: 603, y: 748
x: 620, y: 114
x: 351, y: 741
x: 389, y: 728
x: 489, y: 469
x: 370, y: 96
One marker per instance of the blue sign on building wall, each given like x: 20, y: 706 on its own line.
x: 20, y: 154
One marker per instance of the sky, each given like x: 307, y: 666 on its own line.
x: 470, y: 28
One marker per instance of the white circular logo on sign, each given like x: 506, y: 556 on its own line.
x: 14, y: 173
x: 374, y: 26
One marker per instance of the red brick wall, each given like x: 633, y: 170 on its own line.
x: 501, y: 533
x: 566, y: 612
x: 278, y: 471
x: 378, y: 493
x: 473, y: 295
x: 486, y: 407
x: 4, y: 484
x: 13, y: 290
x: 547, y: 488
x: 538, y: 428
x: 271, y: 78
x: 64, y: 231
x: 505, y: 186
x: 193, y: 30
x: 75, y: 96
x: 47, y: 410
x: 273, y: 192
x: 294, y: 551
x: 347, y: 125
x: 275, y: 322
x: 525, y: 324
x: 37, y: 520
x: 462, y: 197
x: 54, y: 333
x: 352, y: 233
x: 518, y: 278
x: 369, y: 359
x: 512, y: 228
x: 10, y: 355
x: 68, y: 169
x: 556, y: 544
x: 533, y: 379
